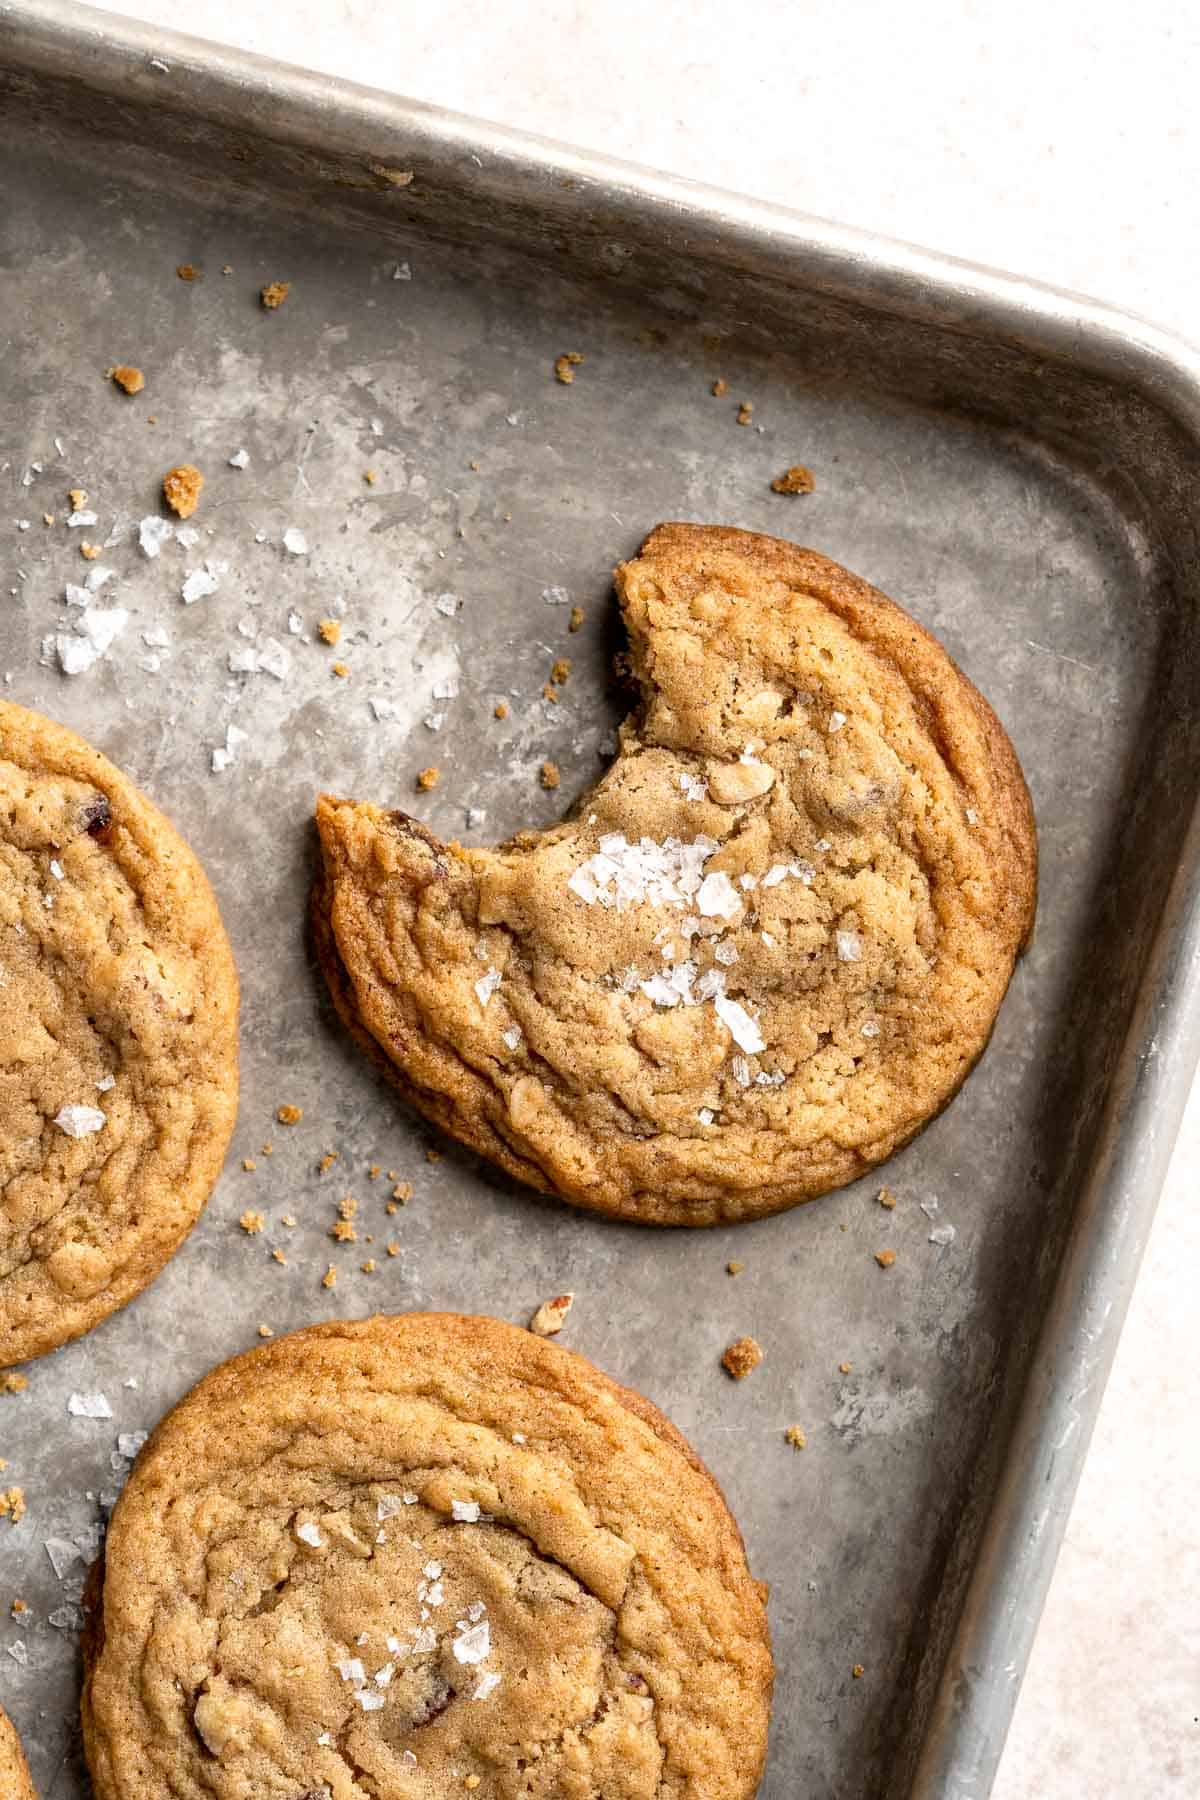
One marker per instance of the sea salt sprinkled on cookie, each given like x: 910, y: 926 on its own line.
x: 474, y: 1645
x: 486, y: 986
x: 370, y: 1702
x: 352, y: 1669
x: 870, y: 1028
x: 717, y: 897
x: 512, y: 1037
x: 308, y: 1534
x: 836, y: 721
x: 488, y: 1682
x: 849, y: 946
x: 740, y: 1025
x: 465, y: 1512
x: 80, y: 1121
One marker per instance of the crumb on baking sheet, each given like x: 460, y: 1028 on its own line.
x: 500, y: 710
x: 858, y: 1671
x: 429, y: 778
x: 343, y: 1230
x: 886, y: 1198
x: 550, y: 693
x: 796, y: 1438
x: 274, y: 294
x: 264, y: 1331
x: 252, y: 1223
x: 370, y: 476
x: 745, y: 412
x: 12, y: 1383
x: 329, y: 630
x: 47, y: 518
x: 181, y: 489
x: 18, y: 1608
x: 249, y: 1164
x: 885, y: 1258
x: 393, y: 1248
x: 432, y: 1155
x: 734, y: 1268
x: 551, y: 1315
x: 78, y: 498
x: 347, y: 1206
x: 327, y: 1161
x: 566, y: 365
x: 127, y: 377
x: 560, y: 674
x: 340, y: 669
x: 89, y: 552
x: 550, y: 775
x: 720, y: 387
x: 402, y: 1192
x: 289, y: 1115
x: 374, y: 1171
x: 845, y: 1368
x: 187, y: 272
x: 12, y: 1504
x: 575, y: 622
x: 796, y: 480
x: 368, y: 1268
x: 743, y: 1355
x: 329, y: 1278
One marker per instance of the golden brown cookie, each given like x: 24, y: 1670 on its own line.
x: 118, y: 1037
x: 408, y: 1557
x: 14, y: 1773
x: 758, y: 956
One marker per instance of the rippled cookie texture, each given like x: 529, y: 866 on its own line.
x: 14, y: 1772
x: 118, y: 1037
x: 418, y: 1556
x: 763, y: 950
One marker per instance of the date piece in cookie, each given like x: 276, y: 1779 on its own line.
x: 118, y: 1037
x: 413, y: 1556
x: 758, y: 956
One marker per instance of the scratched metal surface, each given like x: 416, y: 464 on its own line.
x: 1043, y: 576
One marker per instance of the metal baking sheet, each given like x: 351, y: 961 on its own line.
x: 1016, y: 466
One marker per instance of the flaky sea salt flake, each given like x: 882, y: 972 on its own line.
x: 943, y: 1235
x: 447, y: 604
x: 488, y: 1682
x: 89, y: 1406
x: 474, y: 1645
x: 849, y: 946
x: 486, y: 986
x: 295, y: 542
x: 240, y: 459
x: 153, y: 533
x: 741, y: 1027
x: 80, y: 1121
x: 465, y: 1512
x: 308, y: 1534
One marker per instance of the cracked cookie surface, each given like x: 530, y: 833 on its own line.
x: 764, y: 949
x: 397, y: 1557
x: 118, y: 1037
x: 15, y: 1783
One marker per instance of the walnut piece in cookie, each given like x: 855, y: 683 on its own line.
x: 486, y: 1545
x: 763, y: 950
x: 181, y: 489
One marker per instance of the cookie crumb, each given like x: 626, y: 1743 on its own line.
x: 12, y: 1383
x: 796, y: 480
x: 181, y: 489
x: 268, y: 1149
x: 858, y: 1671
x: 560, y: 674
x: 343, y: 1231
x: 429, y: 778
x: 288, y: 1219
x: 127, y: 377
x: 844, y: 1368
x: 550, y: 693
x: 886, y: 1198
x: 249, y: 1164
x: 78, y: 498
x: 329, y: 1278
x: 743, y: 1355
x: 575, y: 622
x: 340, y: 669
x: 885, y: 1258
x: 472, y: 1781
x: 796, y: 1438
x: 289, y: 1115
x: 368, y: 1268
x: 252, y: 1223
x: 329, y: 630
x: 566, y: 365
x: 264, y: 1331
x: 370, y: 476
x: 327, y: 1161
x: 278, y: 1256
x: 227, y: 269
x: 500, y: 710
x: 720, y: 387
x: 18, y: 1608
x: 347, y: 1206
x: 12, y: 1505
x: 374, y: 1171
x: 550, y: 776
x: 551, y: 1315
x: 432, y: 1155
x: 734, y: 1268
x: 274, y: 294
x: 402, y: 1192
x: 47, y: 518
x: 89, y: 552
x: 187, y: 272
x: 393, y: 1248
x: 745, y: 412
